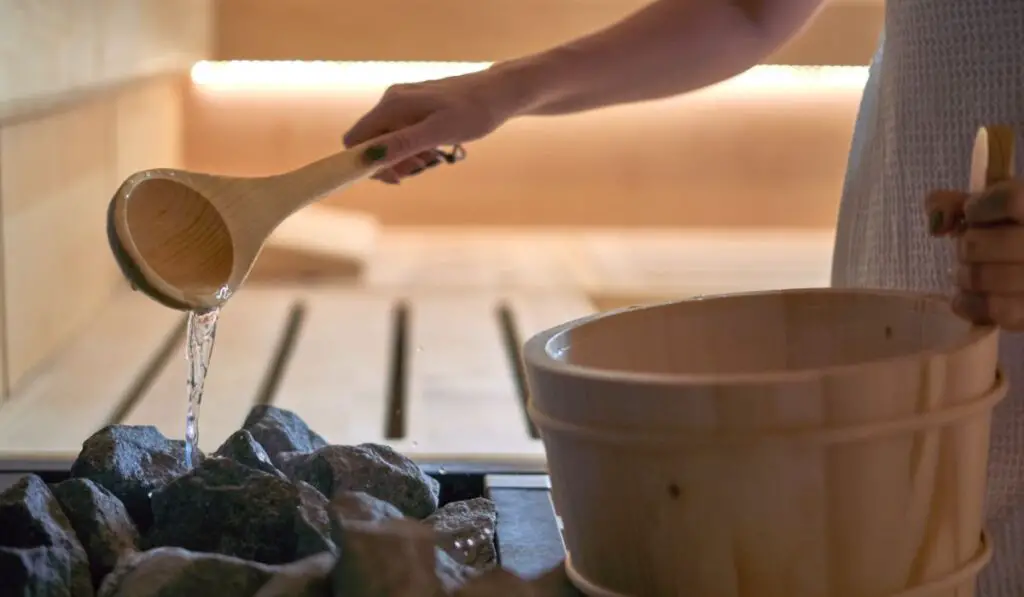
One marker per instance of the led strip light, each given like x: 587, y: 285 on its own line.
x: 288, y: 76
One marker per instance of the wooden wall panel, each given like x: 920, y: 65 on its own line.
x: 764, y: 150
x: 57, y: 174
x: 56, y: 52
x: 845, y: 32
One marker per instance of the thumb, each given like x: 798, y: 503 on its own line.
x: 391, y: 148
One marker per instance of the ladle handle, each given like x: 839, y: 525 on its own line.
x: 994, y: 150
x: 299, y: 188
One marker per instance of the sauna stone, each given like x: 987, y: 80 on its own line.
x: 358, y: 505
x: 253, y: 520
x: 280, y: 431
x: 466, y: 530
x: 227, y: 508
x: 39, y: 552
x: 172, y: 571
x: 372, y: 468
x: 101, y: 524
x: 243, y: 448
x: 391, y: 557
x: 131, y: 462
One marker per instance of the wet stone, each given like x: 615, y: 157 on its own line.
x: 391, y: 557
x: 171, y: 571
x: 312, y: 522
x: 357, y: 505
x: 371, y: 468
x: 100, y: 522
x: 243, y: 448
x: 39, y: 552
x: 466, y: 531
x: 131, y: 462
x: 227, y: 508
x: 279, y: 431
x: 309, y: 577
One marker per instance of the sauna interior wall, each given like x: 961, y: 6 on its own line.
x: 767, y: 150
x: 90, y: 91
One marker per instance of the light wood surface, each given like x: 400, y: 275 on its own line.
x: 843, y: 433
x: 86, y: 382
x: 338, y: 373
x: 602, y: 262
x: 845, y: 32
x: 461, y: 401
x: 315, y: 243
x: 465, y: 369
x: 56, y: 174
x: 57, y: 53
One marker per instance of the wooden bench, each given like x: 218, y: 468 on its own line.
x: 433, y: 374
x: 422, y: 353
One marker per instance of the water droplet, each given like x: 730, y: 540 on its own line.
x: 419, y: 348
x: 441, y: 471
x: 415, y: 444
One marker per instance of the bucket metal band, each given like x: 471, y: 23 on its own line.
x: 942, y: 586
x: 818, y: 436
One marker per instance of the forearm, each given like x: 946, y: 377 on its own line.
x: 665, y: 49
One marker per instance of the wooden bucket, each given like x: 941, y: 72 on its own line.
x: 800, y: 443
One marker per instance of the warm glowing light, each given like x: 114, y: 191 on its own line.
x: 321, y: 75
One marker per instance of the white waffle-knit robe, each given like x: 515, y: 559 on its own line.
x: 943, y: 68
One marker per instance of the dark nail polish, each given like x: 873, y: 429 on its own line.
x: 415, y: 171
x: 432, y: 163
x: 935, y: 221
x: 375, y: 153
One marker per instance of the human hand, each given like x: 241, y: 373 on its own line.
x: 989, y: 232
x: 412, y: 121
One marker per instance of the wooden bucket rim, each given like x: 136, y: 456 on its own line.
x: 536, y: 353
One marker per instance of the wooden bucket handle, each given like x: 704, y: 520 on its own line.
x: 993, y: 150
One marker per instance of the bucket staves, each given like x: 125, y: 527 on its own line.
x: 798, y: 443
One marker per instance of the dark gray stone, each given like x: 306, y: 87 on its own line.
x: 466, y: 531
x: 241, y: 447
x: 131, y: 462
x: 309, y: 577
x: 371, y: 468
x: 391, y: 557
x: 496, y: 582
x: 100, y: 521
x: 312, y: 522
x: 279, y: 430
x: 39, y: 552
x: 224, y: 507
x: 357, y: 505
x: 173, y: 572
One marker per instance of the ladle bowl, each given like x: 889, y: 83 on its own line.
x: 188, y: 240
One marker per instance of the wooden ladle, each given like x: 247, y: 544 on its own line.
x: 189, y: 240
